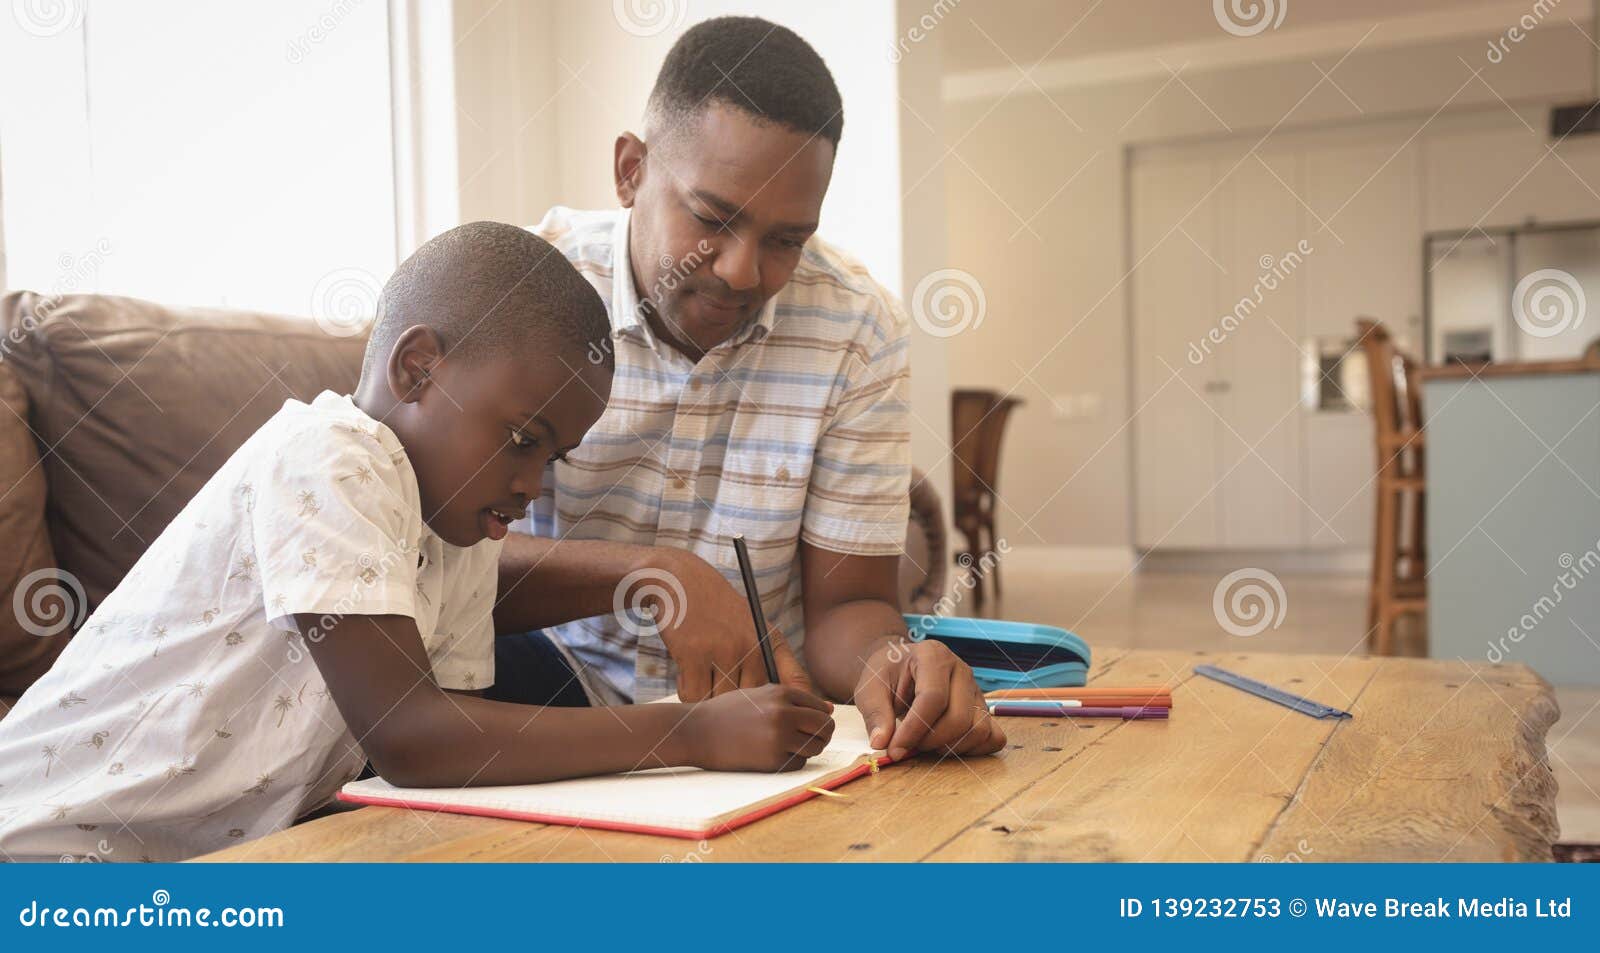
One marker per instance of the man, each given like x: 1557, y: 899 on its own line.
x: 760, y: 389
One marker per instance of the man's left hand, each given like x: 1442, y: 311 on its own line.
x: 933, y: 693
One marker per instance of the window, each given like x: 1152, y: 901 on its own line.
x: 199, y: 153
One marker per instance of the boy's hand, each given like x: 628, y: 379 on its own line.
x: 771, y: 728
x: 711, y: 636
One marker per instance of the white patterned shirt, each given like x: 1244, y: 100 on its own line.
x: 796, y: 428
x: 187, y: 715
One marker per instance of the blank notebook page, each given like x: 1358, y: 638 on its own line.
x: 685, y: 802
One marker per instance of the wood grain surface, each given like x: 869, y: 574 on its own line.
x: 1443, y: 761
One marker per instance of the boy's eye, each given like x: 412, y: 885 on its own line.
x: 521, y: 440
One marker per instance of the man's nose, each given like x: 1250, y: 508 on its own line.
x: 738, y: 264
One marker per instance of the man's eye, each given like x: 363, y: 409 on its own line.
x: 521, y: 440
x: 707, y: 222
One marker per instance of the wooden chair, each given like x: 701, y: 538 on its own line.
x: 977, y: 423
x: 1399, y: 560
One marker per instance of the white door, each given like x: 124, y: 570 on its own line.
x: 1261, y: 479
x: 1176, y: 251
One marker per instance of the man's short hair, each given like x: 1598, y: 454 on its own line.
x: 754, y: 65
x: 488, y: 288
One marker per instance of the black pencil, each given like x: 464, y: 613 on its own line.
x: 751, y: 593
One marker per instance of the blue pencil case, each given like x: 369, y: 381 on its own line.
x: 1009, y: 654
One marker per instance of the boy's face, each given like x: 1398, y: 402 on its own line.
x: 482, y: 432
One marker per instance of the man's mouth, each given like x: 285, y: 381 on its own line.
x: 722, y: 304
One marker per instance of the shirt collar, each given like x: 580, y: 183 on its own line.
x: 358, y: 420
x: 625, y: 313
x: 624, y: 299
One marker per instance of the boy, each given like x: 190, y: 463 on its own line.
x: 328, y: 593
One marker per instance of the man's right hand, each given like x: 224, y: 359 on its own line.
x: 711, y: 636
x: 771, y: 728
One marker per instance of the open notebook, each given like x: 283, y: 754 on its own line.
x: 676, y: 802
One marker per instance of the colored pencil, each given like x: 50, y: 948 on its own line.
x: 1003, y: 708
x: 1083, y: 692
x: 1115, y: 698
x: 1118, y: 702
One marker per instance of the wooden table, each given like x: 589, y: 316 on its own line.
x: 1443, y: 761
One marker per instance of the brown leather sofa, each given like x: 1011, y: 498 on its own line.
x: 118, y: 410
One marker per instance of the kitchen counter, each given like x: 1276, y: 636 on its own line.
x: 1513, y: 515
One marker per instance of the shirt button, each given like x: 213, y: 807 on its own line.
x: 679, y: 481
x: 783, y: 473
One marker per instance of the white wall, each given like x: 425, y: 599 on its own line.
x: 1058, y: 286
x: 924, y: 223
x: 506, y: 73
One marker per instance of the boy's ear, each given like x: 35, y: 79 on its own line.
x: 415, y: 356
x: 628, y: 167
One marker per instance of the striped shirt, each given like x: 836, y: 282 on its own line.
x: 796, y: 428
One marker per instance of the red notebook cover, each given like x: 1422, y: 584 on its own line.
x: 755, y: 814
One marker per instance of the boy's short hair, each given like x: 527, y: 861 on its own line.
x: 754, y: 65
x: 488, y: 288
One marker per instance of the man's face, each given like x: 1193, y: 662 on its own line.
x: 480, y: 440
x: 721, y: 212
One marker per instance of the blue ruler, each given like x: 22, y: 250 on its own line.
x: 1304, y: 706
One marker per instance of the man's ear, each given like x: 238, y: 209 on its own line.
x: 412, y: 361
x: 628, y: 167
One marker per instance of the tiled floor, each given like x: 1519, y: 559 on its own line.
x: 1324, y: 613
